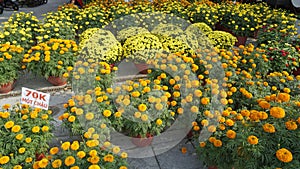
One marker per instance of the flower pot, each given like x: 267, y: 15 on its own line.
x: 255, y: 34
x: 5, y: 88
x: 296, y: 72
x: 142, y: 68
x: 220, y: 27
x: 241, y: 40
x: 215, y: 167
x: 57, y: 81
x: 142, y: 142
x: 39, y: 156
x: 212, y: 167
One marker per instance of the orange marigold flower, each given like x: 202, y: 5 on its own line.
x: 269, y: 128
x: 264, y: 104
x: 291, y: 125
x: 277, y: 112
x: 284, y: 155
x: 217, y: 143
x: 283, y: 97
x: 231, y: 134
x: 252, y: 140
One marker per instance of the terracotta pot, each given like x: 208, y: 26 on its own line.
x: 212, y: 167
x: 215, y: 167
x: 142, y: 142
x: 5, y: 88
x: 142, y: 68
x: 296, y: 72
x: 255, y: 34
x: 241, y: 40
x: 57, y: 81
x: 39, y: 156
x: 220, y: 27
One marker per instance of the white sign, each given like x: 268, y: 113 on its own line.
x: 35, y: 98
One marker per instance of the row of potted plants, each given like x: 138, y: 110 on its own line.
x: 244, y: 103
x: 27, y: 133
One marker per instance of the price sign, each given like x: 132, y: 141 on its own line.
x: 35, y: 98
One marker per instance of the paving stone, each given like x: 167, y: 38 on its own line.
x: 175, y: 159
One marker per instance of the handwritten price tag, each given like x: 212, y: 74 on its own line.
x: 35, y: 98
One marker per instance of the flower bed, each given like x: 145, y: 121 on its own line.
x: 245, y: 99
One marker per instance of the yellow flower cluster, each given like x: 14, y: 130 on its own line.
x: 142, y: 47
x: 102, y: 46
x: 28, y: 132
x: 55, y: 57
x: 84, y: 153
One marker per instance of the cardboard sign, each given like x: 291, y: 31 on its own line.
x: 35, y: 98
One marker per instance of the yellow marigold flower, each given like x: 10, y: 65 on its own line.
x: 176, y: 94
x: 231, y: 134
x: 194, y: 109
x: 70, y: 160
x: 35, y: 129
x: 124, y: 155
x: 81, y: 154
x: 106, y: 113
x: 66, y: 145
x: 94, y: 159
x: 109, y: 158
x: 93, y: 153
x: 126, y: 102
x: 6, y: 106
x: 229, y: 122
x: 284, y: 155
x: 75, y: 145
x: 54, y: 150
x: 89, y: 116
x: 204, y: 123
x: 252, y: 140
x: 19, y: 136
x: 28, y: 140
x: 142, y: 107
x: 158, y: 122
x: 56, y: 163
x: 277, y: 112
x: 94, y: 166
x: 180, y: 110
x: 211, y: 128
x: 116, y: 149
x: 28, y: 160
x: 43, y: 163
x: 17, y: 167
x: 158, y: 106
x: 16, y: 128
x: 205, y: 100
x: 144, y: 117
x: 22, y: 150
x: 4, y: 159
x: 9, y: 124
x: 269, y: 128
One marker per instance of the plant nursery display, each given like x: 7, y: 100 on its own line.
x: 11, y: 57
x: 25, y: 134
x: 240, y: 102
x: 56, y: 58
